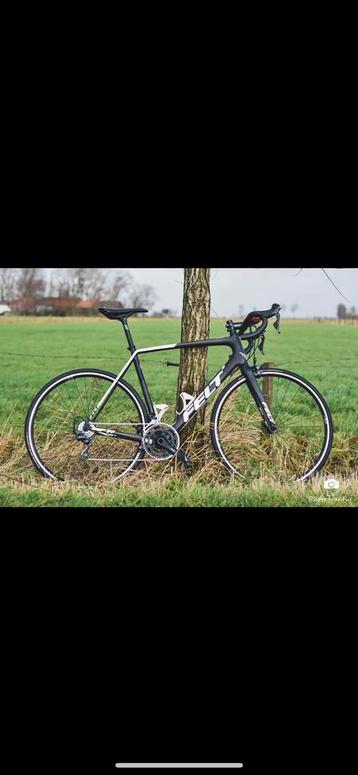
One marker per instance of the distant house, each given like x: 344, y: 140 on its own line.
x: 21, y: 305
x: 58, y: 306
x: 165, y: 313
x: 86, y: 304
x: 111, y: 303
x: 48, y: 305
x: 4, y: 309
x: 90, y: 306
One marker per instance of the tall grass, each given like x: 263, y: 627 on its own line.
x: 32, y: 351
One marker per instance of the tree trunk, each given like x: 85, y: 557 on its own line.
x: 195, y: 325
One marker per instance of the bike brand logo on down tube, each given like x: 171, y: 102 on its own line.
x: 203, y: 397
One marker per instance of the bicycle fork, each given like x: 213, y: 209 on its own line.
x: 259, y: 398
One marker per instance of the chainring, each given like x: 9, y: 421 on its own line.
x: 155, y: 432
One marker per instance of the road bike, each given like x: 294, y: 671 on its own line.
x: 91, y: 425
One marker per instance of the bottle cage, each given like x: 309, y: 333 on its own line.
x: 186, y: 399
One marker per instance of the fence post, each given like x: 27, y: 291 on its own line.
x: 267, y: 385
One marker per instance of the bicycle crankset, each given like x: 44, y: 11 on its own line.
x: 161, y: 441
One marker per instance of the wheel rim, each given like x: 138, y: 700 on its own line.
x: 52, y: 440
x: 299, y: 447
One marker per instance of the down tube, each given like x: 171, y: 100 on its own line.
x: 236, y: 361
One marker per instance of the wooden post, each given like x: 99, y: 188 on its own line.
x: 267, y: 385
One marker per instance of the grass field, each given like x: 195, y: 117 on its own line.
x: 33, y: 351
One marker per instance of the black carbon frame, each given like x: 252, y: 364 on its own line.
x: 238, y: 360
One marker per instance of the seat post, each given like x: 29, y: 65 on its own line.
x: 128, y: 335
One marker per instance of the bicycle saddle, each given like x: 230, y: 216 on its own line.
x: 119, y: 313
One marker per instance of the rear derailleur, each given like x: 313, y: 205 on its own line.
x: 83, y: 432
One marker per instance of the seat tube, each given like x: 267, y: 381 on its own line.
x: 139, y: 371
x: 144, y: 386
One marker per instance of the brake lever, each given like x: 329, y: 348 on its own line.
x: 277, y: 322
x: 261, y: 345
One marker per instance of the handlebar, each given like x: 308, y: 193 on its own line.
x: 253, y: 318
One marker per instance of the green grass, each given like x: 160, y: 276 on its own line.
x: 175, y: 493
x: 33, y: 351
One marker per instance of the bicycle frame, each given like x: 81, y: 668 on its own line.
x: 238, y: 360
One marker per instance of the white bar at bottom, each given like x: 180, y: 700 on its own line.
x: 139, y: 766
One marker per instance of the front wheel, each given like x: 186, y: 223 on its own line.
x: 297, y: 450
x: 59, y: 412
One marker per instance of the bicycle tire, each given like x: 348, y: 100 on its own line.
x: 30, y: 442
x: 288, y: 375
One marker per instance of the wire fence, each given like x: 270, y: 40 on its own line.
x: 317, y: 361
x: 31, y: 483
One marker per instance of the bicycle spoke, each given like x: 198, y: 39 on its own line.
x: 291, y: 450
x: 57, y: 421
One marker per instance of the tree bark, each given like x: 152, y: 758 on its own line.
x: 195, y: 325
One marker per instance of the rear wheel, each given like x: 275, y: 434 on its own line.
x: 299, y: 447
x: 63, y: 407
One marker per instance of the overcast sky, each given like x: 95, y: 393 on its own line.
x: 258, y: 289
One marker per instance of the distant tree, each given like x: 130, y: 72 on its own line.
x: 341, y: 311
x: 118, y: 285
x: 7, y: 284
x: 294, y: 308
x: 96, y: 284
x: 50, y: 285
x: 30, y: 283
x: 78, y: 281
x: 62, y: 283
x: 87, y: 283
x: 93, y: 284
x: 142, y: 296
